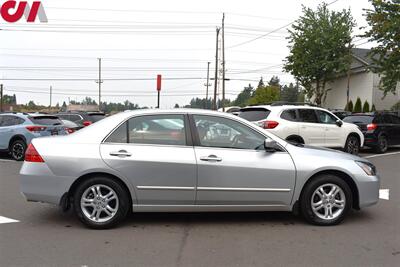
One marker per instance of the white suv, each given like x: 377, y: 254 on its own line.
x: 306, y: 125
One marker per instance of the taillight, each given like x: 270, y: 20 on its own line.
x: 31, y: 154
x: 87, y: 123
x: 270, y: 124
x: 371, y: 126
x: 35, y: 129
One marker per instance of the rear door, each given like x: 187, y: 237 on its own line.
x: 312, y: 132
x: 155, y: 153
x: 396, y: 131
x: 333, y: 132
x: 6, y: 132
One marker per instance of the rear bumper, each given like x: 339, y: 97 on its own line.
x: 370, y: 140
x: 39, y: 184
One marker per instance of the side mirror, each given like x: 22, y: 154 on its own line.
x: 270, y: 145
x: 339, y: 123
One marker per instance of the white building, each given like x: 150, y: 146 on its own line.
x: 363, y: 84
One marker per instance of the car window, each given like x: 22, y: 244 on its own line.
x: 358, y: 119
x: 307, y: 115
x: 46, y: 120
x: 325, y: 117
x: 289, y: 114
x: 157, y: 129
x: 254, y: 114
x: 9, y: 120
x: 94, y: 117
x: 64, y: 116
x: 387, y: 118
x: 74, y: 117
x: 395, y: 119
x: 120, y: 135
x: 226, y: 133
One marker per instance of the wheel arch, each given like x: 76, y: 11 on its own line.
x: 295, y: 137
x: 15, y: 138
x: 342, y: 175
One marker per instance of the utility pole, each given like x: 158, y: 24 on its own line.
x: 99, y: 82
x: 51, y: 94
x: 207, y: 84
x: 216, y: 73
x: 223, y: 62
x: 1, y: 95
x: 348, y: 77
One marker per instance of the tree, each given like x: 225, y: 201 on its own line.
x: 261, y: 83
x: 176, y: 105
x: 357, y: 106
x: 384, y: 22
x: 244, y: 96
x: 349, y: 106
x: 373, y: 109
x: 264, y: 95
x: 275, y: 81
x: 319, y: 49
x: 365, y: 107
x: 289, y: 93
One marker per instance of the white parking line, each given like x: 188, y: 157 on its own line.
x: 384, y: 194
x: 7, y: 220
x: 382, y: 155
x: 7, y: 160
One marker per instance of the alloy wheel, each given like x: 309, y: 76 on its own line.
x: 99, y: 203
x: 328, y: 201
x: 18, y: 151
x: 352, y: 145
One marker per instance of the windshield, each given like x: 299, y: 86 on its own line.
x: 96, y: 117
x: 254, y: 114
x: 46, y: 120
x: 359, y: 119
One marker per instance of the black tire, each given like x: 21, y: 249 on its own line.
x: 308, y: 193
x: 352, y: 145
x: 382, y: 146
x: 17, y: 150
x: 121, y: 210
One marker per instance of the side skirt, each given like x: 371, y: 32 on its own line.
x: 208, y: 208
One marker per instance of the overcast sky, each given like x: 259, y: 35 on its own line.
x: 140, y: 39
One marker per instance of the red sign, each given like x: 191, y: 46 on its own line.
x: 12, y: 11
x: 159, y: 82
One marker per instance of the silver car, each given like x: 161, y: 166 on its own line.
x: 191, y: 160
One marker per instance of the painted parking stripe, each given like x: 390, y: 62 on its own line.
x: 7, y: 220
x: 7, y: 160
x: 384, y: 194
x: 382, y: 155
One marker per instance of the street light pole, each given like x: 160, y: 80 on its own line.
x: 216, y: 72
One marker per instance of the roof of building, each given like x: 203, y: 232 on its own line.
x: 361, y: 59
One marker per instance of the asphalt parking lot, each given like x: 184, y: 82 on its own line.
x: 44, y: 236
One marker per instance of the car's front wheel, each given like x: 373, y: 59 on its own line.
x: 101, y: 202
x: 326, y: 200
x: 352, y: 145
x: 17, y: 150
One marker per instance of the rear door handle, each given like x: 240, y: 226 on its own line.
x: 121, y: 153
x: 211, y: 158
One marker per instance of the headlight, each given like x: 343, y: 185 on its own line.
x: 368, y: 168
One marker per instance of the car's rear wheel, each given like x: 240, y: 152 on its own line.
x: 382, y: 145
x: 101, y: 202
x: 326, y: 200
x: 17, y: 150
x: 352, y: 145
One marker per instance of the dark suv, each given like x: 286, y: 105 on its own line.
x: 380, y: 130
x: 82, y: 118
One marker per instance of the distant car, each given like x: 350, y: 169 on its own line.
x: 82, y: 118
x: 18, y: 129
x: 233, y: 110
x: 305, y: 124
x: 381, y: 130
x: 183, y: 160
x: 71, y: 126
x: 340, y: 113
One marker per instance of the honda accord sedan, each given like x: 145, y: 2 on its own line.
x: 186, y: 160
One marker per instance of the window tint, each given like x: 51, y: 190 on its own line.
x: 325, y: 117
x: 226, y: 133
x: 387, y: 118
x: 120, y: 135
x: 395, y: 119
x: 358, y: 119
x: 254, y: 114
x: 46, y: 120
x: 307, y: 115
x: 94, y: 117
x: 9, y: 120
x: 157, y: 129
x: 64, y: 116
x: 289, y: 114
x: 75, y: 117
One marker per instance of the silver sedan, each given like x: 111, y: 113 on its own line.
x: 191, y: 160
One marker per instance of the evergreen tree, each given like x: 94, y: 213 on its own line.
x: 289, y: 93
x: 358, y: 106
x: 349, y: 106
x: 365, y: 107
x: 373, y: 109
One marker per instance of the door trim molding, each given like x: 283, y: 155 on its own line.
x: 244, y: 189
x: 145, y: 187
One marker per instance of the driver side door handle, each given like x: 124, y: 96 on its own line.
x: 121, y: 153
x: 211, y: 158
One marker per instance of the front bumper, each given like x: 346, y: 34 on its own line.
x: 39, y: 184
x: 368, y: 190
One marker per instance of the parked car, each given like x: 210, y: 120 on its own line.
x: 305, y: 124
x: 18, y: 129
x: 82, y: 118
x: 191, y: 160
x: 233, y: 110
x: 380, y: 129
x: 71, y: 126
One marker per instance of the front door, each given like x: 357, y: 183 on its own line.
x: 155, y: 154
x: 235, y: 169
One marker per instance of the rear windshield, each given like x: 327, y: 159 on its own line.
x: 254, y: 114
x: 46, y: 120
x: 359, y: 119
x: 96, y: 117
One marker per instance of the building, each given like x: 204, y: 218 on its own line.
x: 363, y: 84
x: 82, y: 108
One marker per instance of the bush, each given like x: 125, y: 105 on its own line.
x: 365, y: 107
x: 357, y: 106
x: 373, y: 109
x: 349, y: 106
